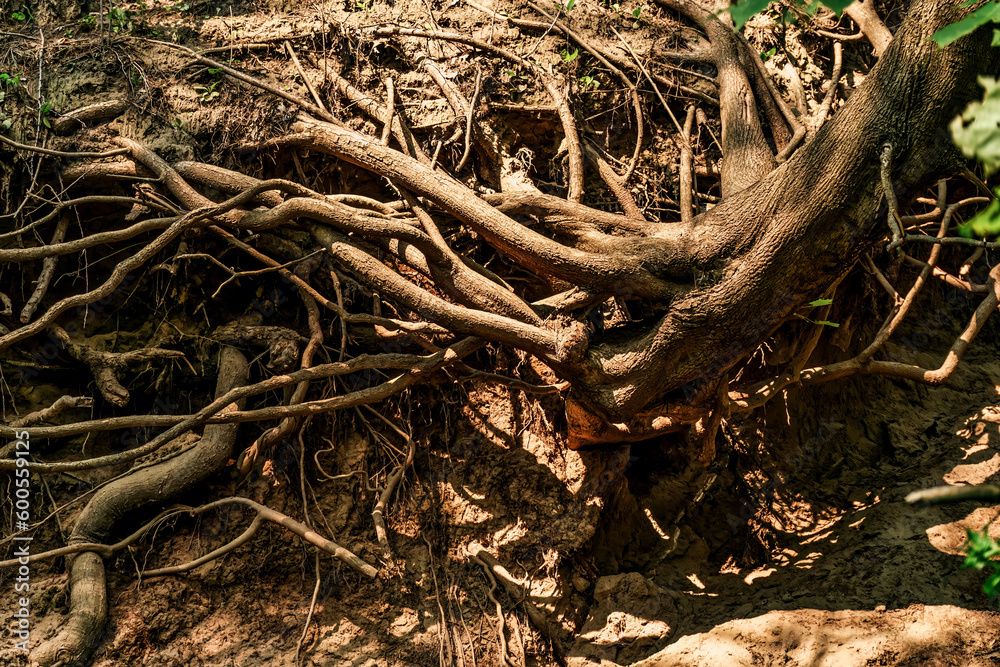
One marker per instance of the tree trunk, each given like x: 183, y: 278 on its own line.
x: 783, y: 241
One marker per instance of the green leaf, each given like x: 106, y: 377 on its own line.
x: 977, y: 130
x: 837, y: 6
x: 992, y: 585
x: 820, y: 302
x: 986, y: 224
x: 996, y: 38
x: 827, y: 323
x: 980, y: 548
x: 742, y: 12
x: 984, y: 14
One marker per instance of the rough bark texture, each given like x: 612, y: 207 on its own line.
x: 152, y: 484
x: 649, y: 325
x: 782, y: 241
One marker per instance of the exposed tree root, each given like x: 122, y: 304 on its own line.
x: 864, y: 14
x: 515, y: 589
x: 106, y: 366
x: 88, y: 594
x: 646, y: 324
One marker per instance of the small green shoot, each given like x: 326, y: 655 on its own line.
x: 568, y: 57
x: 207, y: 93
x: 24, y: 14
x: 589, y: 82
x: 46, y: 110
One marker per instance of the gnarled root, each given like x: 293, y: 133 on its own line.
x: 88, y: 597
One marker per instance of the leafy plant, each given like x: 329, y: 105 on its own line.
x: 46, y: 110
x: 121, y: 20
x: 23, y: 14
x: 565, y: 8
x: 589, y: 82
x: 362, y: 5
x: 568, y: 57
x: 209, y: 92
x: 515, y: 83
x: 11, y: 81
x: 980, y: 550
x: 135, y: 77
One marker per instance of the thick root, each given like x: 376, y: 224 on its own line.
x: 88, y: 597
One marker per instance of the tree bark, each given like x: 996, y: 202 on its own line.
x: 781, y: 242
